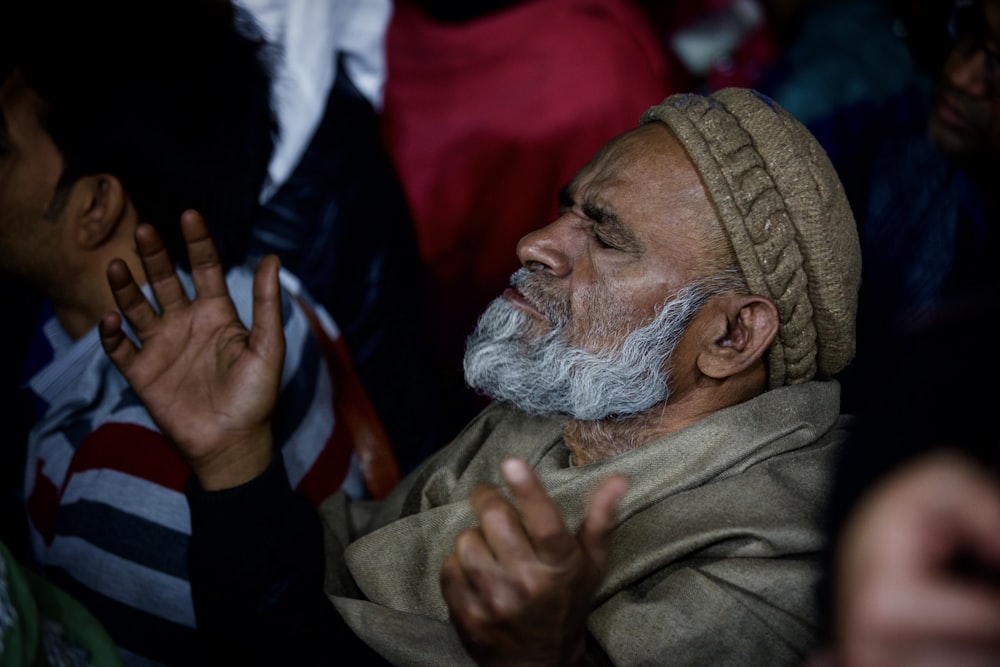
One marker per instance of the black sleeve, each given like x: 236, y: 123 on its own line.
x: 256, y: 564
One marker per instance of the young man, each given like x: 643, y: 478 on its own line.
x: 675, y: 329
x: 111, y: 114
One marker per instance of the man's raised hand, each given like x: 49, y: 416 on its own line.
x: 520, y: 585
x: 208, y: 383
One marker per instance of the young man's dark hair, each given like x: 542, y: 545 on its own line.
x: 120, y: 97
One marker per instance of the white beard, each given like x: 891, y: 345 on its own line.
x: 550, y: 377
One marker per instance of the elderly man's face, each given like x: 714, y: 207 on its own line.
x: 632, y: 233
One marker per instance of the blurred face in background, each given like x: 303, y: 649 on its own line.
x: 965, y: 121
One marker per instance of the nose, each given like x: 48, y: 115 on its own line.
x: 550, y: 248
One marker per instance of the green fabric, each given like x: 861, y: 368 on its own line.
x: 714, y: 558
x: 40, y: 625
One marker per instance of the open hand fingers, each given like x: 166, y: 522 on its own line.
x: 267, y: 337
x: 206, y: 269
x: 159, y: 268
x: 131, y: 301
x: 116, y: 344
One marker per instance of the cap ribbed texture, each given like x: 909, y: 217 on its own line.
x: 786, y: 214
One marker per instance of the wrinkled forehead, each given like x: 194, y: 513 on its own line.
x: 645, y: 161
x: 647, y: 181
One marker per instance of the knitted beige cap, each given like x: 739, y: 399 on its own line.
x: 784, y: 209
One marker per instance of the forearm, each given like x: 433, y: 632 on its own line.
x: 256, y: 565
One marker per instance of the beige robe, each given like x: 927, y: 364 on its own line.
x: 714, y: 557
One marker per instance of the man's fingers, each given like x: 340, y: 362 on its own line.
x: 475, y: 570
x: 130, y: 299
x: 159, y: 268
x: 206, y: 269
x: 540, y: 516
x: 465, y: 602
x: 267, y: 336
x: 116, y: 344
x: 600, y: 519
x: 473, y: 557
x: 500, y: 524
x: 455, y: 589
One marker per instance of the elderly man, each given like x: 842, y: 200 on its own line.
x: 674, y: 330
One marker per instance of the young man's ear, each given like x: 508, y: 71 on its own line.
x: 96, y: 207
x: 743, y: 328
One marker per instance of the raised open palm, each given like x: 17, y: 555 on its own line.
x: 208, y: 383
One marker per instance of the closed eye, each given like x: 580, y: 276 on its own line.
x: 603, y: 225
x: 604, y: 242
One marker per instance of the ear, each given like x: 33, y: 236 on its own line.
x: 742, y: 328
x: 97, y: 206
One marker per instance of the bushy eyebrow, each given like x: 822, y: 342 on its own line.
x: 602, y: 217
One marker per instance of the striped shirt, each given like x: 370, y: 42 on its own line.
x: 105, y: 490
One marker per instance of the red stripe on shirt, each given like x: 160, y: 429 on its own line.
x: 42, y: 504
x: 132, y: 449
x: 364, y: 433
x: 129, y: 448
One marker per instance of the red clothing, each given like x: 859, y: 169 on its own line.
x: 487, y: 119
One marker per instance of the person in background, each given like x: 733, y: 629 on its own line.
x: 914, y: 512
x: 109, y: 119
x: 674, y: 330
x: 928, y: 214
x: 334, y: 211
x: 853, y: 71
